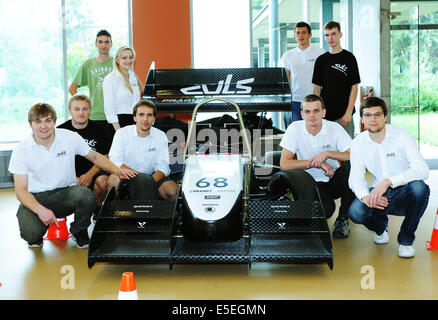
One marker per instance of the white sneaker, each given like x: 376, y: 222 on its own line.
x: 381, y: 239
x: 406, y: 251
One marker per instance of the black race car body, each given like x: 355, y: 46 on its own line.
x: 230, y: 209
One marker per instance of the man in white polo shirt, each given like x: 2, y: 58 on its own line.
x: 299, y: 63
x: 317, y: 146
x: 143, y: 148
x: 398, y: 169
x: 43, y: 166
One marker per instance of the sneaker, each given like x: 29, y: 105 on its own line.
x: 381, y: 239
x: 82, y: 239
x: 406, y: 251
x: 341, y: 228
x: 37, y: 244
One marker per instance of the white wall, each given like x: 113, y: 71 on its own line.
x: 366, y: 41
x: 221, y: 34
x: 366, y: 46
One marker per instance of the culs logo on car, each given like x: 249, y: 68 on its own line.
x: 221, y: 87
x: 141, y: 224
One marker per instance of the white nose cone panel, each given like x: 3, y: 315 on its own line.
x: 212, y: 183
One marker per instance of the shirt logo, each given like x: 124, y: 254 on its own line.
x: 390, y: 155
x: 99, y: 73
x: 342, y: 68
x: 62, y: 153
x: 151, y: 149
x: 101, y: 70
x: 91, y: 143
x: 327, y: 146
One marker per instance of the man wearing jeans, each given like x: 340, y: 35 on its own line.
x: 43, y: 166
x: 318, y: 146
x: 391, y: 156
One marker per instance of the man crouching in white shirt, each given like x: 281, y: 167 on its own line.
x: 391, y: 156
x: 43, y: 166
x: 317, y: 146
x: 143, y: 148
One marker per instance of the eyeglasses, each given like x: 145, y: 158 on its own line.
x: 369, y: 115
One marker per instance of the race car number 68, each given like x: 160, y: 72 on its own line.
x: 218, y: 183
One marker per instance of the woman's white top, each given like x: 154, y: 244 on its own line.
x: 117, y: 98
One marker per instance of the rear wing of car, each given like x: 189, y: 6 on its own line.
x: 253, y: 89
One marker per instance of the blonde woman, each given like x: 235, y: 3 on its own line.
x: 121, y: 89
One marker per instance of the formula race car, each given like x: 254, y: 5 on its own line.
x: 231, y: 208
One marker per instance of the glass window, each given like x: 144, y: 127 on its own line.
x: 414, y: 71
x: 30, y: 64
x: 83, y: 20
x: 260, y: 33
x: 32, y: 58
x: 289, y: 13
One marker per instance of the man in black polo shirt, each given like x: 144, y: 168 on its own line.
x: 336, y: 78
x: 97, y: 137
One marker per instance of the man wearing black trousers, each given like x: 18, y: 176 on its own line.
x: 318, y: 146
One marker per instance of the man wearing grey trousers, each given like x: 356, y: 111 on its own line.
x: 43, y: 166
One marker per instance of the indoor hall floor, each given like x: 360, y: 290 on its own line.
x: 362, y: 269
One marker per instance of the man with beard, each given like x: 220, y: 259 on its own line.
x: 143, y: 148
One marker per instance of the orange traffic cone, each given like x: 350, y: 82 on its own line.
x: 128, y: 291
x: 58, y: 232
x: 433, y: 243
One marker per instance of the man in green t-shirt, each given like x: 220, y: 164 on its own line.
x: 92, y: 72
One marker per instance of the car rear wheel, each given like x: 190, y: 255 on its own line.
x: 142, y: 187
x: 293, y: 185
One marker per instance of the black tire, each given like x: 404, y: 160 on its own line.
x: 299, y: 183
x: 142, y: 187
x: 273, y: 158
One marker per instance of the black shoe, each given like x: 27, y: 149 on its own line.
x: 82, y: 239
x: 37, y: 244
x: 341, y: 228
